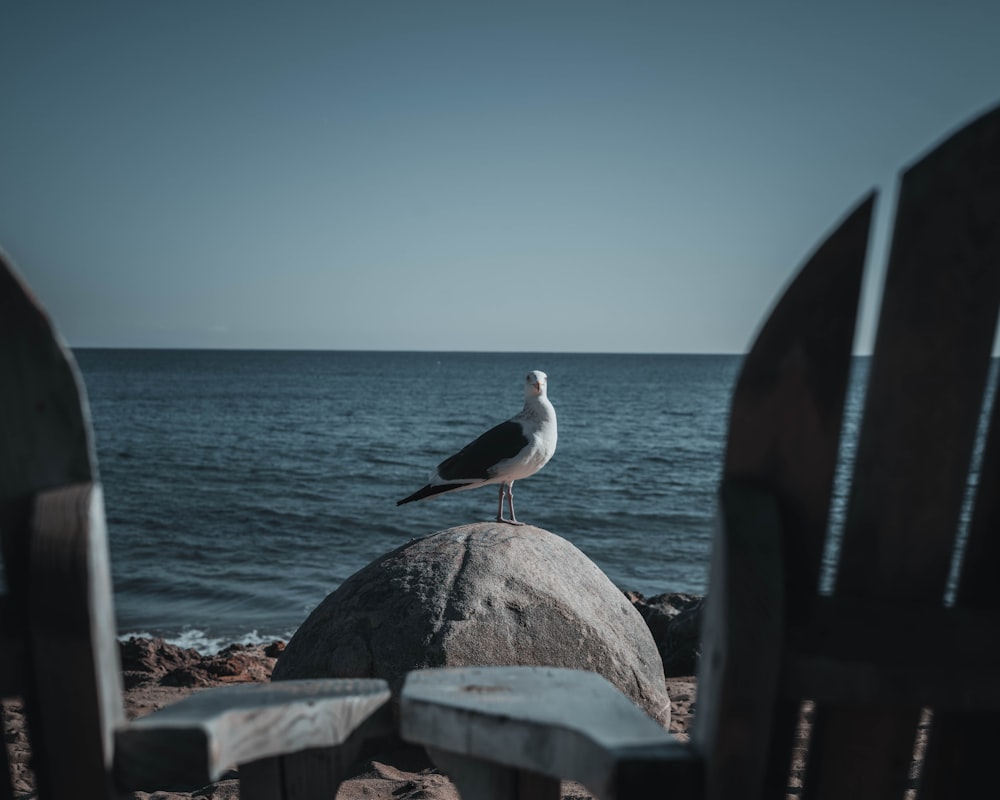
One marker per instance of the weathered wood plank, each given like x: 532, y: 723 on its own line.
x: 928, y: 372
x: 261, y: 780
x: 479, y: 779
x: 783, y: 438
x: 787, y: 407
x: 15, y: 536
x: 12, y: 651
x: 962, y: 747
x: 196, y: 740
x: 858, y: 683
x: 315, y: 772
x: 742, y: 634
x: 863, y: 652
x: 45, y: 441
x: 894, y: 634
x: 306, y: 775
x: 74, y: 652
x: 553, y: 722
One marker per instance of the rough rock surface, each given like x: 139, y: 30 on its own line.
x: 674, y: 619
x: 481, y: 594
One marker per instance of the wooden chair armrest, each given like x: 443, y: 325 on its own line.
x: 196, y: 740
x: 490, y: 727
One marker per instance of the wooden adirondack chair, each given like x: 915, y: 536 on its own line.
x: 883, y: 647
x: 57, y: 625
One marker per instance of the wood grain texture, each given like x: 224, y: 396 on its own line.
x: 555, y: 722
x: 787, y: 407
x: 262, y: 779
x: 894, y: 637
x: 12, y: 650
x: 305, y: 775
x: 742, y: 637
x: 780, y: 462
x: 961, y: 747
x: 44, y: 444
x: 927, y: 376
x: 196, y: 740
x: 45, y: 440
x: 480, y: 779
x: 75, y: 703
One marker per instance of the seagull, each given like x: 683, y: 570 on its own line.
x: 507, y: 452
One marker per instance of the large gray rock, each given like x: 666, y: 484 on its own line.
x: 477, y: 595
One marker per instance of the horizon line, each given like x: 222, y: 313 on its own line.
x: 428, y: 351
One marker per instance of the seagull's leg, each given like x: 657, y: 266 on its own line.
x: 500, y: 504
x: 510, y: 502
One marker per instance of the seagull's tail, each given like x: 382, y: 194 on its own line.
x: 430, y: 490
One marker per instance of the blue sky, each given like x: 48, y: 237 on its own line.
x: 578, y: 176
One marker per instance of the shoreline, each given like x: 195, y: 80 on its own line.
x: 659, y: 611
x: 157, y: 673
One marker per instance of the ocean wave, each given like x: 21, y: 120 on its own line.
x: 205, y: 643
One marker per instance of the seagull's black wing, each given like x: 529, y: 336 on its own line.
x: 476, y: 459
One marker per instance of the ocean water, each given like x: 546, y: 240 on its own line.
x: 242, y: 487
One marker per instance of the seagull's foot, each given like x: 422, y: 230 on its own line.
x: 510, y: 521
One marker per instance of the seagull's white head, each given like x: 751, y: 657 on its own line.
x: 535, y: 383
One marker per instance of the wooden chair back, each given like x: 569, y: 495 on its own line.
x: 59, y: 648
x: 883, y: 650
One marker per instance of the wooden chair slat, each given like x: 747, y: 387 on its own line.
x: 49, y: 445
x: 828, y: 681
x: 737, y: 692
x: 196, y: 740
x: 479, y: 779
x: 927, y: 378
x: 12, y: 651
x: 51, y: 522
x: 892, y: 634
x: 543, y: 721
x: 928, y: 371
x: 74, y: 652
x: 312, y: 773
x: 854, y: 652
x: 787, y: 407
x: 784, y: 434
x: 978, y: 587
x: 261, y: 780
x: 961, y: 747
